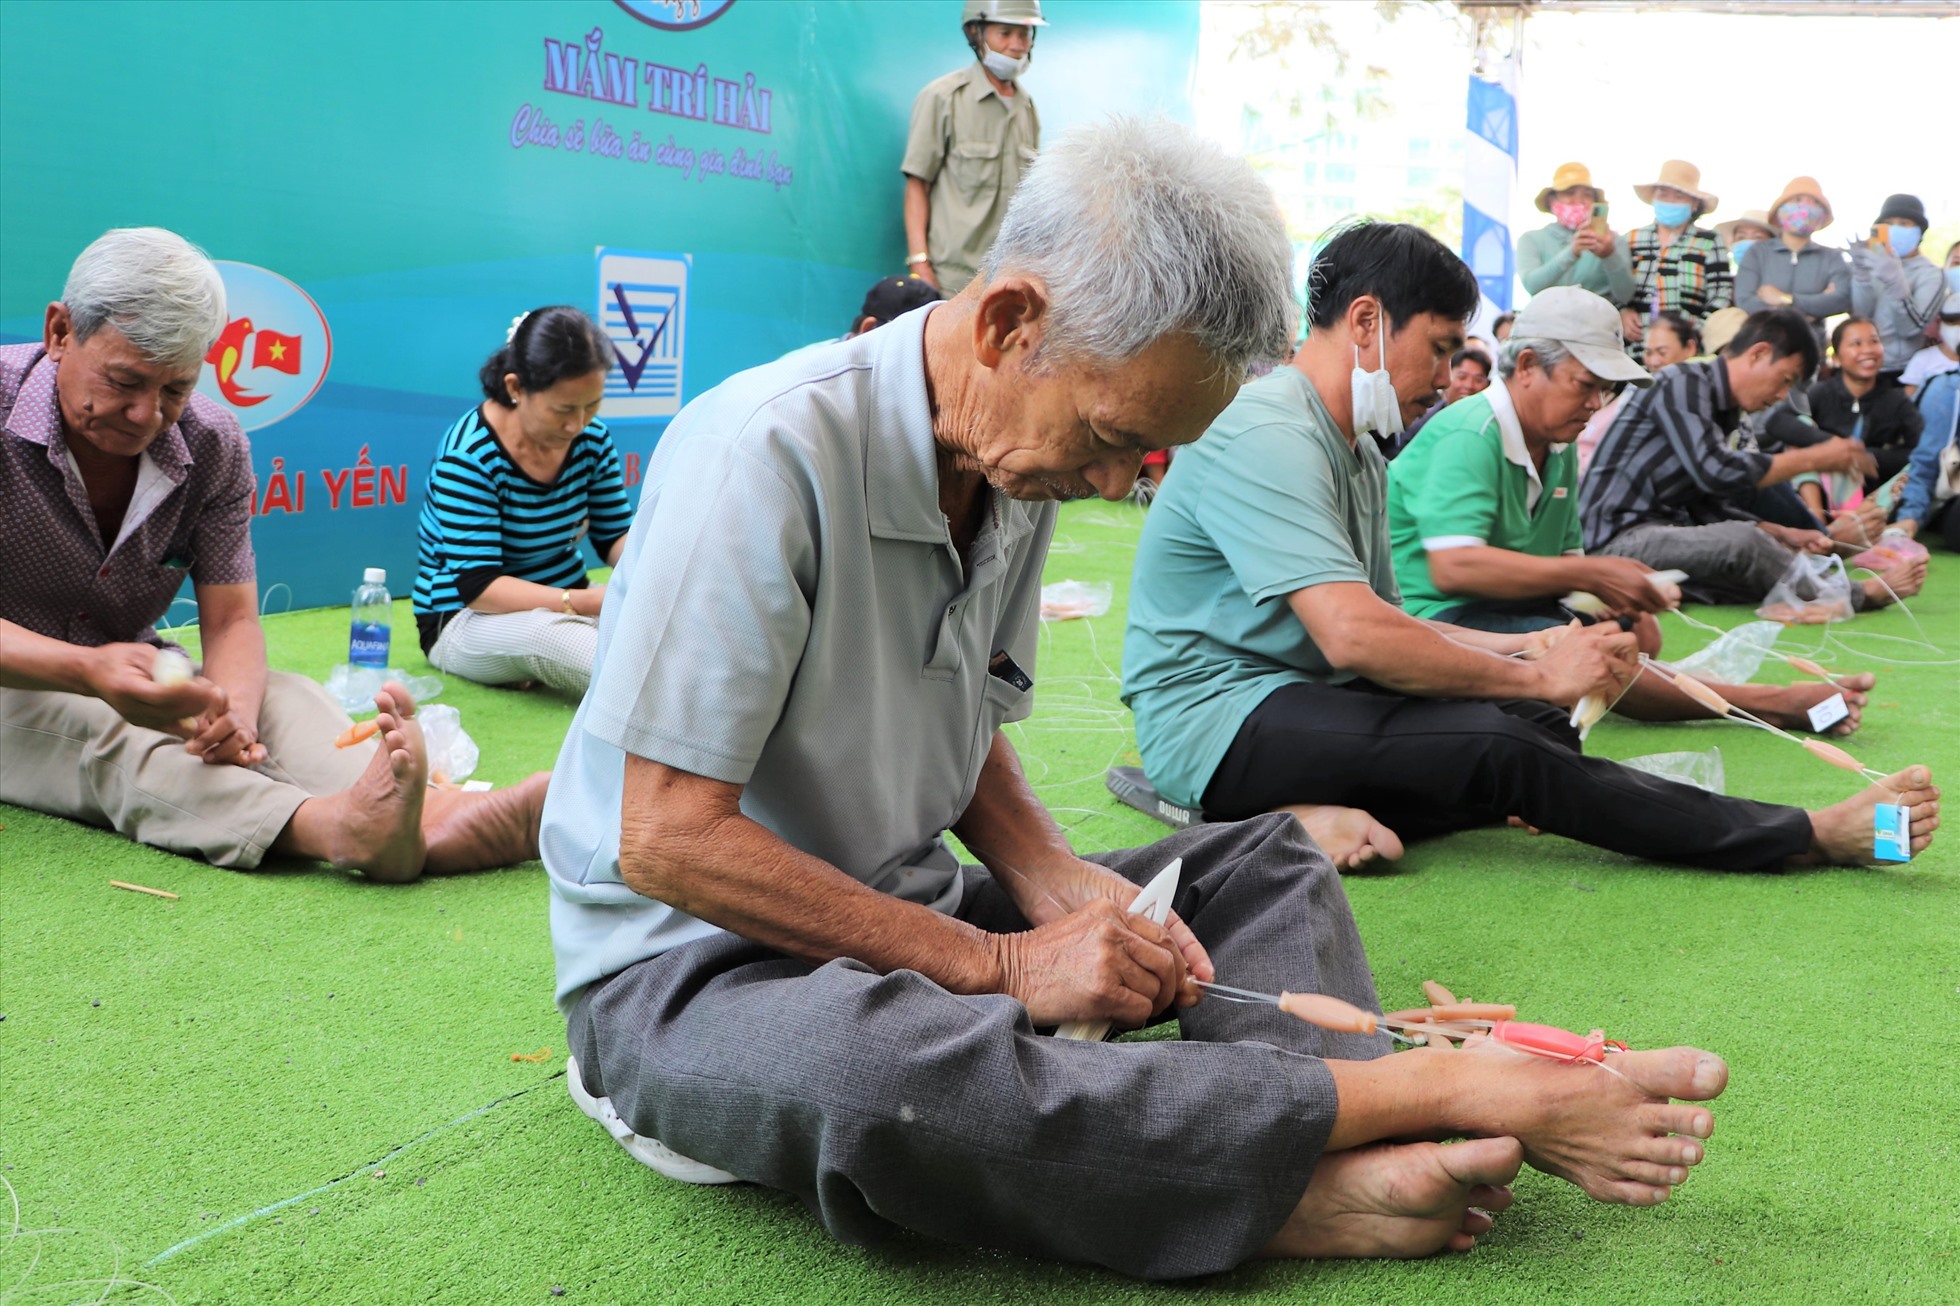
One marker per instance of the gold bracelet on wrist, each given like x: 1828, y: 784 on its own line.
x: 565, y: 602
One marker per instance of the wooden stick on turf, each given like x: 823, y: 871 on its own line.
x: 138, y: 888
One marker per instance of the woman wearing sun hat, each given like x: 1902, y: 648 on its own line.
x: 1740, y: 234
x: 1676, y: 264
x: 1568, y: 252
x: 1794, y: 271
x: 1897, y: 286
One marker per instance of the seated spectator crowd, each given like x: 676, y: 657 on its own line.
x: 824, y: 610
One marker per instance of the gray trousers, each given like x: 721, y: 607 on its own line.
x: 1727, y: 562
x: 884, y: 1100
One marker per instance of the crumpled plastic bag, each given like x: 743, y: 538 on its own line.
x: 1814, y: 590
x: 452, y: 753
x: 1892, y: 549
x: 353, y: 687
x: 1702, y: 770
x: 1735, y: 657
x: 1067, y: 599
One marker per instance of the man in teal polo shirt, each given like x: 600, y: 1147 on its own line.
x: 1483, y: 511
x: 1271, y: 665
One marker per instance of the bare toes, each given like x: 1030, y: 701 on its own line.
x: 1628, y: 1192
x: 1676, y: 1118
x: 1659, y: 1176
x: 1670, y: 1150
x: 1679, y: 1072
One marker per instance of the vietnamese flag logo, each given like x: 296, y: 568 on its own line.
x: 280, y: 353
x: 273, y: 354
x: 269, y: 349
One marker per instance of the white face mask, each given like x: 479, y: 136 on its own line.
x: 1951, y: 335
x: 1003, y: 67
x: 1376, y: 409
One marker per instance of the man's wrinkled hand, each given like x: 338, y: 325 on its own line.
x: 1096, y: 963
x: 1076, y: 884
x: 223, y: 739
x: 1600, y: 659
x: 1623, y: 585
x: 121, y: 675
x: 1860, y: 526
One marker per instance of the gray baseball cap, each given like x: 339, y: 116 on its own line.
x: 1587, y: 325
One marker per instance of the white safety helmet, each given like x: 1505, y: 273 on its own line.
x: 1024, y: 13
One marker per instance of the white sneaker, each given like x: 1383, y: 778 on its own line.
x: 650, y: 1152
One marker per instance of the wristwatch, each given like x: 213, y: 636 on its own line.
x: 920, y: 257
x: 565, y: 602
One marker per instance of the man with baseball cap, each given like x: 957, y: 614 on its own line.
x: 1483, y: 511
x: 1569, y: 251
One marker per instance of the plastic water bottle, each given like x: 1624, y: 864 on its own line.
x: 367, y: 639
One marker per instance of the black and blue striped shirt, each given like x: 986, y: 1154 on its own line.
x: 483, y: 517
x: 1666, y: 459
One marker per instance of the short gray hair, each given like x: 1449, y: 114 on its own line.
x: 152, y: 285
x: 1143, y: 229
x: 1550, y: 354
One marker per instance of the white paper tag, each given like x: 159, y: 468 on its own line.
x: 1828, y: 713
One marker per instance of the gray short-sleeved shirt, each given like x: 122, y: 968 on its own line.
x: 790, y: 615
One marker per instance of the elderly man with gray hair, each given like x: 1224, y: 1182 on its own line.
x: 119, y: 481
x: 773, y: 968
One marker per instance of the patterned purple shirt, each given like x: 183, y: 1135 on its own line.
x: 191, y: 513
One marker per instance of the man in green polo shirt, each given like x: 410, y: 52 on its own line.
x: 1483, y: 510
x: 1271, y: 665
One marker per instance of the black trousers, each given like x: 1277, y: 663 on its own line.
x: 1781, y: 504
x: 1426, y: 767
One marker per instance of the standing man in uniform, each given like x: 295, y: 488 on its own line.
x: 973, y: 134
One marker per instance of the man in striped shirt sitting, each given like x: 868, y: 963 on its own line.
x: 1668, y: 488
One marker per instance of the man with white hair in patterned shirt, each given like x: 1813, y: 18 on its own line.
x: 119, y: 480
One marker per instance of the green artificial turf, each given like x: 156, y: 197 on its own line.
x: 171, y: 1072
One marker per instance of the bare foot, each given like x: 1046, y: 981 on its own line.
x: 1901, y: 580
x: 1349, y: 836
x: 374, y: 826
x: 1405, y: 1200
x: 1841, y: 834
x: 1610, y: 1130
x: 1789, y: 706
x: 473, y: 832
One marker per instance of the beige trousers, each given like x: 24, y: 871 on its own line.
x: 74, y: 756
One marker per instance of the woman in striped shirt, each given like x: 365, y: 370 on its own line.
x: 501, y: 595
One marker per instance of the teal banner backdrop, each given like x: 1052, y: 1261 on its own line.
x: 387, y: 186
